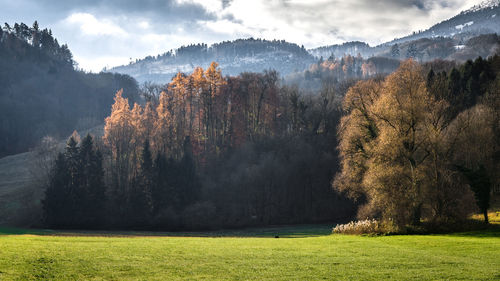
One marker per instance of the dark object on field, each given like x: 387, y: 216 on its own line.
x: 276, y: 236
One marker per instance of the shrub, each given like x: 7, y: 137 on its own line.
x: 359, y: 227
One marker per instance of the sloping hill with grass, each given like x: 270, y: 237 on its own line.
x: 19, y: 194
x: 21, y: 185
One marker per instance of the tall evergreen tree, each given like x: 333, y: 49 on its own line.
x: 75, y: 196
x: 140, y: 198
x: 481, y: 186
x: 188, y: 185
x: 91, y: 188
x: 395, y: 51
x: 55, y: 203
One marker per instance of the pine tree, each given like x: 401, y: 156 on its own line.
x: 162, y: 193
x: 395, y: 51
x: 140, y: 203
x: 412, y: 51
x: 481, y: 186
x: 35, y: 35
x: 188, y: 185
x: 55, y: 203
x: 91, y: 189
x: 75, y: 196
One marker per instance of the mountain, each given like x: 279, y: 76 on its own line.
x: 349, y: 48
x: 234, y: 57
x: 480, y: 19
x: 470, y: 34
x: 460, y: 38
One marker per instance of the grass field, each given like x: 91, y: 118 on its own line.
x: 301, y: 253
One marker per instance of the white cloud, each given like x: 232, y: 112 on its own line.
x: 98, y: 37
x: 320, y: 22
x: 97, y: 63
x: 90, y: 25
x: 227, y: 27
x: 144, y: 24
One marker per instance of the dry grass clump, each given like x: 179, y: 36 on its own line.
x: 359, y: 227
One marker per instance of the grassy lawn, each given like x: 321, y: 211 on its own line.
x: 301, y: 253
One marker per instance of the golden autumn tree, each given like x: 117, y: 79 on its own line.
x: 357, y: 131
x: 190, y: 104
x: 395, y: 151
x: 178, y: 90
x: 118, y: 136
x: 214, y: 83
x: 396, y: 170
x: 164, y: 129
x: 198, y: 135
x: 148, y: 120
x: 137, y: 138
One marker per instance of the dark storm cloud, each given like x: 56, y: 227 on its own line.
x: 167, y: 10
x: 49, y: 11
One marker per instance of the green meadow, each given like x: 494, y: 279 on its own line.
x: 300, y: 253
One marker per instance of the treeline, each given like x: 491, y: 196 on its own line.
x: 75, y: 195
x: 214, y: 152
x: 335, y: 70
x: 419, y: 146
x: 459, y: 48
x: 207, y: 151
x: 42, y: 94
x: 229, y: 49
x: 462, y: 86
x: 19, y: 38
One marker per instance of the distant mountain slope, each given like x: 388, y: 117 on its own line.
x: 480, y: 19
x: 450, y: 39
x: 348, y: 48
x: 465, y: 36
x: 234, y: 57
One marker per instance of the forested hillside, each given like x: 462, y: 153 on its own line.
x: 43, y: 94
x: 480, y: 19
x: 234, y: 57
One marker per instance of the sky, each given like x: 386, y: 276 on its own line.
x: 107, y: 33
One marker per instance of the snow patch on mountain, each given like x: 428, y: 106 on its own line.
x: 461, y: 26
x: 483, y: 5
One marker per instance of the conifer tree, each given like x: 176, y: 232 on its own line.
x: 75, y: 196
x: 55, y: 203
x: 188, y: 184
x: 91, y: 188
x: 140, y: 203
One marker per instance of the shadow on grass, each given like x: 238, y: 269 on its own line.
x: 288, y: 231
x: 23, y: 231
x: 492, y: 230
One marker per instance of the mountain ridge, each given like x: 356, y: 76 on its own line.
x: 447, y: 41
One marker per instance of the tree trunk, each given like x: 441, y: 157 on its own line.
x: 485, y: 213
x: 417, y: 213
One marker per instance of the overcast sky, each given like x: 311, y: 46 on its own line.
x: 109, y: 32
